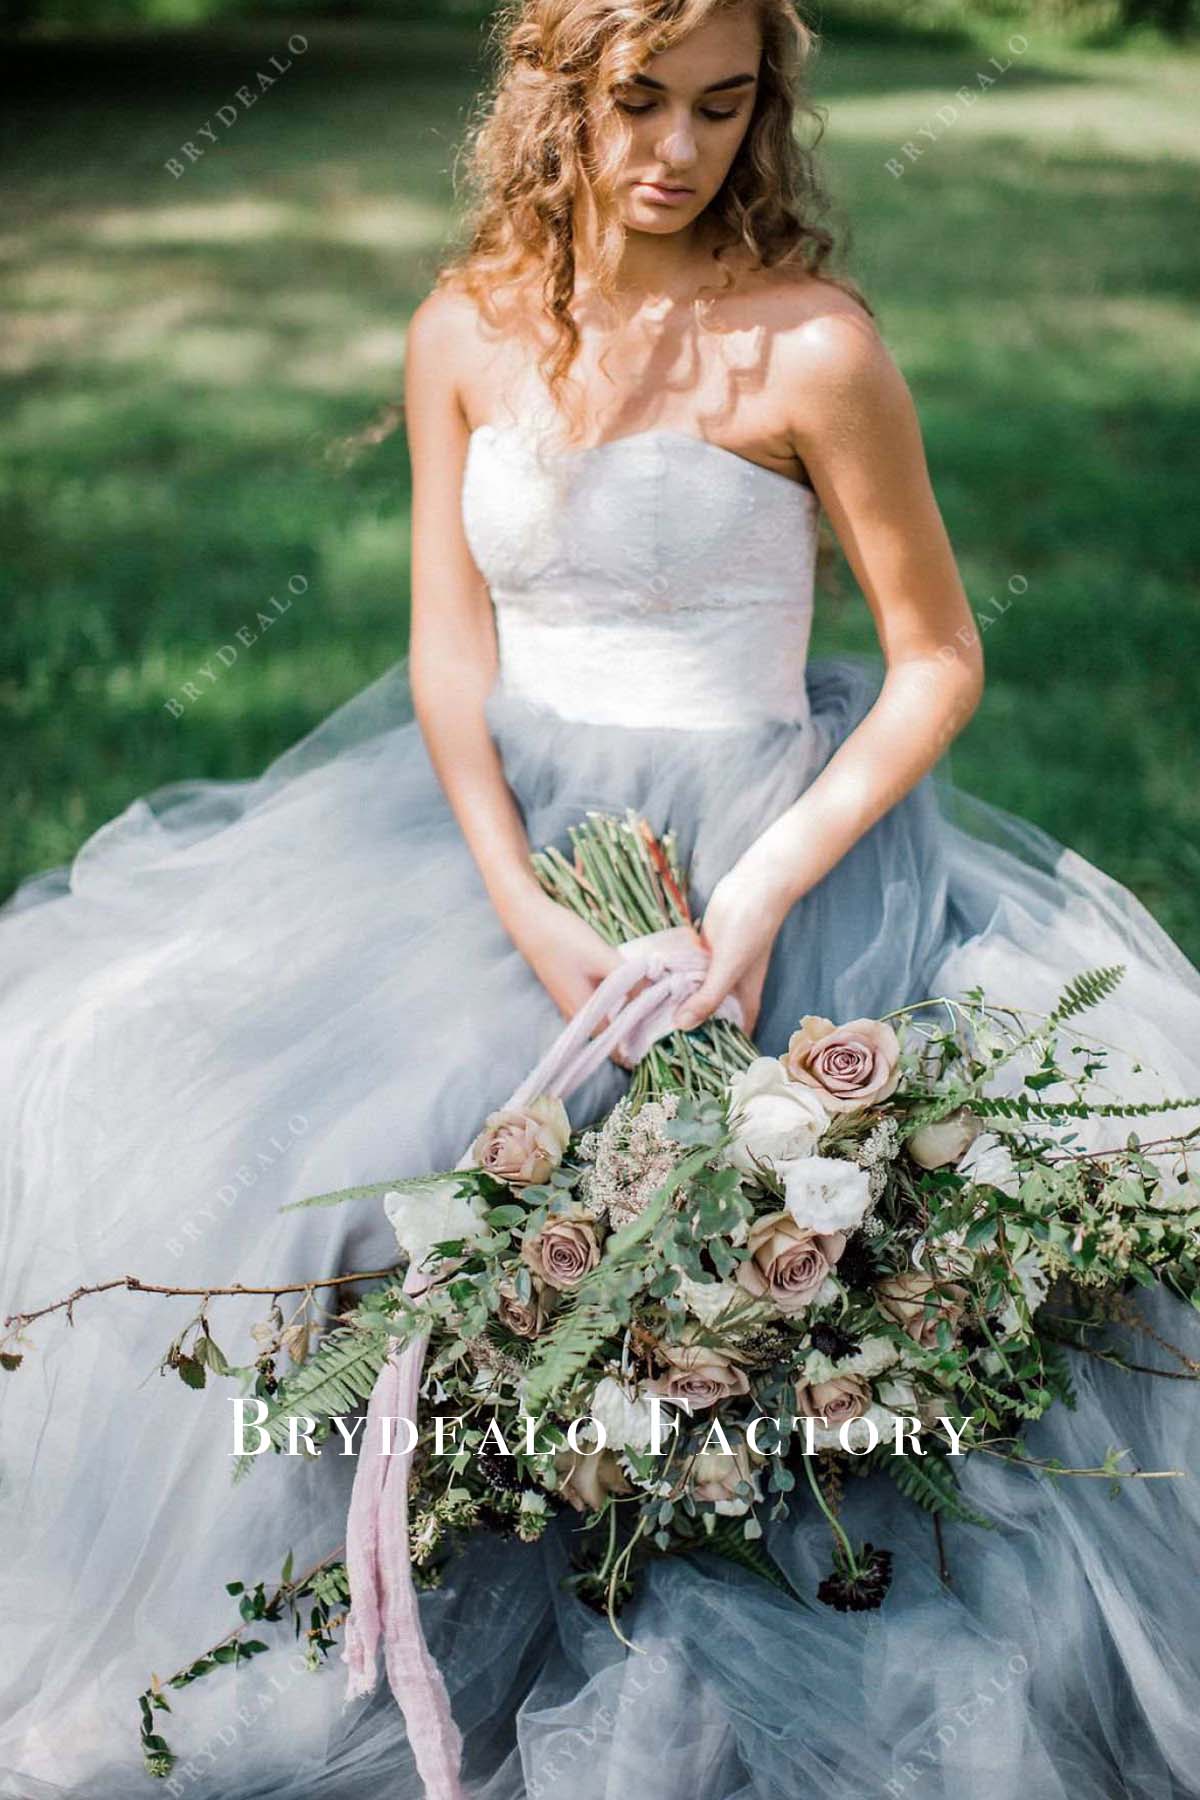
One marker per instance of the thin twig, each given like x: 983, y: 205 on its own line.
x: 136, y: 1285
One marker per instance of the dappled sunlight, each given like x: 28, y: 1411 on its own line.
x: 1125, y: 119
x: 366, y: 221
x: 182, y: 354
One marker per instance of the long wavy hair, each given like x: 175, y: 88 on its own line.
x: 531, y: 155
x: 530, y: 152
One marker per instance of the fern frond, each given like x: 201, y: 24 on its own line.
x: 336, y: 1379
x: 929, y: 1482
x: 727, y: 1540
x: 1087, y: 989
x: 1017, y: 1107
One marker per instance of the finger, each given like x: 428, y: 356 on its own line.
x: 705, y: 1000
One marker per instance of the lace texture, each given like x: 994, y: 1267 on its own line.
x: 654, y: 577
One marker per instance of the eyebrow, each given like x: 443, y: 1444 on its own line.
x: 730, y: 81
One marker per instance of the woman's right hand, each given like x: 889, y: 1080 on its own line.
x: 568, y: 956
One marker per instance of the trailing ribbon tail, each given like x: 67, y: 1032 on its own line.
x: 383, y: 1597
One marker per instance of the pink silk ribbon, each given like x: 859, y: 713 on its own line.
x: 383, y: 1597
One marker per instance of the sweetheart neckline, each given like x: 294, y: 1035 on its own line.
x: 656, y: 431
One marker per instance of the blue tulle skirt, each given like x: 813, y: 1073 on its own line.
x: 243, y: 993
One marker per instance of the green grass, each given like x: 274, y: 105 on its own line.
x: 178, y: 355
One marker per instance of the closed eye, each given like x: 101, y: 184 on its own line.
x: 706, y: 112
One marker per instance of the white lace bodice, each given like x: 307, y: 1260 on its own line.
x: 656, y: 579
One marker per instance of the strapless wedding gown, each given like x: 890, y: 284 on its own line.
x: 243, y: 993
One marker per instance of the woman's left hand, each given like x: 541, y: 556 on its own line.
x: 739, y: 928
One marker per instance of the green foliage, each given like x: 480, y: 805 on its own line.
x: 931, y: 1483
x: 1087, y: 989
x: 728, y: 1539
x: 337, y: 1379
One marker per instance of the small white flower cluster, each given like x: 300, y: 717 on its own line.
x: 630, y: 1157
x: 878, y: 1150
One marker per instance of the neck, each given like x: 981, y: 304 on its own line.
x: 653, y: 268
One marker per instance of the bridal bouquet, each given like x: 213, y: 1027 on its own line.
x: 756, y: 1278
x: 758, y: 1274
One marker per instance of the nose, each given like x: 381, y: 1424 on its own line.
x: 676, y: 147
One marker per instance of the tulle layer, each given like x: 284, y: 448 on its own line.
x: 241, y: 994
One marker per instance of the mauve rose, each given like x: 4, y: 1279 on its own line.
x: 842, y: 1398
x: 525, y: 1317
x: 902, y: 1299
x: 585, y: 1481
x: 715, y: 1474
x: 563, y: 1251
x: 695, y: 1372
x: 851, y: 1066
x: 933, y: 1146
x: 522, y: 1145
x: 786, y: 1262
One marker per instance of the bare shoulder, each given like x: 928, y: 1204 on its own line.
x: 824, y: 336
x: 834, y: 375
x: 442, y: 338
x: 463, y: 349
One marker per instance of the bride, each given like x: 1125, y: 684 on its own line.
x: 629, y: 404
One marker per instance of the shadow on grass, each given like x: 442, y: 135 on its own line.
x: 183, y: 351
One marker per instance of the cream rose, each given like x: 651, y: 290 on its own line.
x: 902, y: 1299
x: 826, y: 1193
x: 715, y: 1475
x: 933, y: 1146
x: 774, y: 1119
x: 988, y: 1162
x: 697, y: 1373
x: 563, y: 1251
x: 850, y: 1066
x: 787, y: 1262
x: 707, y: 1300
x: 431, y: 1214
x: 626, y: 1419
x: 586, y: 1481
x: 522, y: 1145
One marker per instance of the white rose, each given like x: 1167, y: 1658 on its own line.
x: 989, y: 1161
x: 774, y: 1119
x: 627, y: 1422
x: 424, y: 1216
x: 826, y: 1193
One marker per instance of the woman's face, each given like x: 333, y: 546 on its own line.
x: 687, y: 111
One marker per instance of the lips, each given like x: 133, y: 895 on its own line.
x: 666, y: 189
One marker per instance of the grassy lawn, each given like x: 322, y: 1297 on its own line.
x: 179, y: 353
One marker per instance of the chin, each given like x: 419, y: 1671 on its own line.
x: 659, y: 221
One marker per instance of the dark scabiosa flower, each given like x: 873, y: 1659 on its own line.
x: 833, y: 1342
x: 856, y: 1266
x: 859, y: 1586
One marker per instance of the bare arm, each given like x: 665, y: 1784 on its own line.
x: 452, y: 648
x: 453, y: 663
x: 855, y: 428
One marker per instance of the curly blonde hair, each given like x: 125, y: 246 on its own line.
x: 530, y: 152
